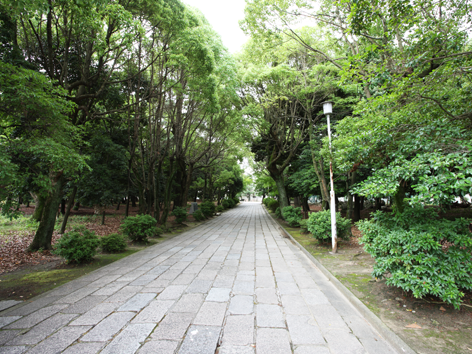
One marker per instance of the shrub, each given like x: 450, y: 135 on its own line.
x: 180, y: 214
x: 292, y: 215
x: 79, y: 245
x: 278, y: 213
x: 198, y: 215
x: 410, y: 250
x: 272, y: 204
x: 140, y: 227
x: 113, y: 243
x: 208, y: 208
x: 236, y: 201
x: 319, y: 224
x: 219, y: 208
x: 228, y: 203
x: 303, y: 226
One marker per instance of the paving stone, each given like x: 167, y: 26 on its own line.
x: 84, y: 348
x: 200, y: 286
x: 6, y: 336
x: 311, y: 349
x: 265, y: 282
x: 107, y: 279
x: 224, y: 281
x: 304, y: 330
x: 85, y: 304
x: 207, y: 274
x: 241, y: 305
x: 269, y: 316
x: 137, y: 302
x: 235, y: 350
x: 107, y: 328
x: 341, y: 341
x: 172, y: 292
x: 13, y: 350
x: 218, y: 294
x: 266, y: 296
x: 188, y: 303
x: 272, y: 341
x: 110, y: 289
x: 211, y: 314
x: 314, y: 297
x: 33, y: 305
x: 7, y: 320
x: 42, y: 330
x: 200, y: 340
x: 95, y: 315
x: 288, y: 288
x: 173, y: 326
x: 59, y: 341
x: 159, y: 347
x: 6, y: 304
x: 36, y: 317
x: 238, y: 330
x: 184, y: 279
x: 154, y: 312
x: 124, y: 294
x: 295, y: 305
x: 130, y: 339
x: 243, y: 287
x: 77, y: 295
x: 144, y: 280
x: 327, y: 317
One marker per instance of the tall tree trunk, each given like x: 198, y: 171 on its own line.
x: 399, y: 197
x: 349, y: 214
x: 356, y: 215
x: 280, y: 183
x: 167, y: 194
x: 42, y: 238
x: 188, y: 183
x: 70, y: 203
x: 39, y: 201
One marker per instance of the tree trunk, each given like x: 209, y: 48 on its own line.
x: 280, y: 183
x: 103, y: 217
x: 399, y: 198
x: 38, y: 207
x: 356, y: 215
x: 118, y: 205
x: 296, y: 202
x: 63, y: 206
x: 167, y: 194
x: 70, y: 203
x: 188, y: 183
x: 42, y: 238
x: 349, y: 212
x: 305, y: 206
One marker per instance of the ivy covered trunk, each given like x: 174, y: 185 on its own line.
x: 280, y: 183
x: 38, y: 206
x: 42, y: 238
x: 400, y: 196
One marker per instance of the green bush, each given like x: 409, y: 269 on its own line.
x: 319, y: 224
x: 272, y: 204
x: 79, y: 245
x: 180, y: 214
x: 219, y: 208
x: 410, y: 251
x: 278, y: 213
x: 236, y: 201
x: 140, y: 227
x: 228, y: 203
x: 113, y: 243
x: 208, y: 208
x: 303, y: 226
x: 292, y: 215
x: 198, y: 215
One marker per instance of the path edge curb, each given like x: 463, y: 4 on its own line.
x: 393, y: 339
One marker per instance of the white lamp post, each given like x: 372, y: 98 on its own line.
x: 327, y: 110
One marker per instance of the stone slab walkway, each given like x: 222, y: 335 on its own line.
x: 232, y: 285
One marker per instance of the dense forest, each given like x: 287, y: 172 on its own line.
x: 107, y: 101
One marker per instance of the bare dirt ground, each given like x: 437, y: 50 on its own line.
x: 428, y: 325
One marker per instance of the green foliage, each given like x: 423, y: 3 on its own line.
x: 208, y: 208
x: 236, y: 201
x: 420, y: 253
x: 319, y: 224
x: 79, y: 245
x: 278, y: 213
x: 198, y: 215
x: 113, y: 243
x: 140, y: 227
x: 227, y: 203
x: 220, y: 208
x: 272, y: 204
x: 292, y: 215
x: 180, y: 214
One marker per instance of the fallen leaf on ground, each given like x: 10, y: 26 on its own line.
x: 413, y: 325
x: 442, y: 309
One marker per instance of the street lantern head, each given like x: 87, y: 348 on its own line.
x: 327, y: 107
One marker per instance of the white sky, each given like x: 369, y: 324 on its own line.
x: 223, y: 16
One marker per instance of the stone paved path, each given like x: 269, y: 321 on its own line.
x: 234, y: 283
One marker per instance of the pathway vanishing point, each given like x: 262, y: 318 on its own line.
x: 232, y: 285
